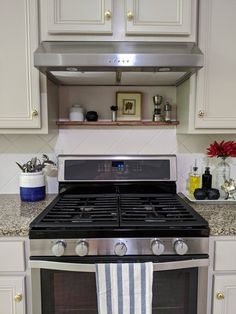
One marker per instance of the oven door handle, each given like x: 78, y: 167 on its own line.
x: 92, y: 268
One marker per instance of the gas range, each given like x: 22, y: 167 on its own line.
x: 118, y: 206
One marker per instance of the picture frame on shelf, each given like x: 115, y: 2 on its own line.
x: 129, y: 106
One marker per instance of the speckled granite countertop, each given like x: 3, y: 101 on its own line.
x: 15, y: 216
x: 221, y: 218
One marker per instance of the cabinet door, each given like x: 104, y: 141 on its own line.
x: 19, y: 80
x: 216, y: 83
x: 12, y: 295
x: 160, y: 17
x: 224, y: 298
x: 79, y: 16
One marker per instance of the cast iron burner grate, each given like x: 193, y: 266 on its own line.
x: 155, y: 210
x: 118, y: 211
x: 83, y: 210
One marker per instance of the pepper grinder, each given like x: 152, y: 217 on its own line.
x: 157, y: 100
x: 167, y: 112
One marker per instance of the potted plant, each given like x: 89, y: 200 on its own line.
x: 32, y: 179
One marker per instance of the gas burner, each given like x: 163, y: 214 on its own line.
x: 87, y: 208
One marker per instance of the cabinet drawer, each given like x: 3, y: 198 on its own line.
x: 12, y: 256
x: 225, y: 255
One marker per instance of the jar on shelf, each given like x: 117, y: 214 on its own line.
x: 76, y: 113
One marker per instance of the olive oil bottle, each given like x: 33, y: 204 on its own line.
x: 195, y: 179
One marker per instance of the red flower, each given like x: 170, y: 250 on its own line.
x: 223, y: 149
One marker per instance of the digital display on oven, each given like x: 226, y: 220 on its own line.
x: 119, y: 165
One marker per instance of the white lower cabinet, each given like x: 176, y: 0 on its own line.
x: 223, y: 275
x: 224, y: 298
x: 12, y: 276
x: 12, y: 295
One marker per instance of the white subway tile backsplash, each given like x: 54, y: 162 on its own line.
x: 105, y: 141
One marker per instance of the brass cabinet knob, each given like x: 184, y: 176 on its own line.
x: 130, y: 16
x: 35, y: 113
x: 201, y: 113
x: 220, y: 295
x: 18, y: 297
x: 108, y: 14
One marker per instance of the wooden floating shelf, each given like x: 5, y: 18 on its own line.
x: 65, y: 123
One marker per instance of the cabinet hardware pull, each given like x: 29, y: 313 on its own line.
x: 108, y: 14
x: 18, y: 297
x: 35, y: 113
x: 220, y: 295
x: 201, y: 113
x: 130, y: 16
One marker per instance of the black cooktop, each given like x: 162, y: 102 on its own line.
x: 118, y: 214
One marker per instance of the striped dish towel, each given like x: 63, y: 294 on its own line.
x: 124, y: 288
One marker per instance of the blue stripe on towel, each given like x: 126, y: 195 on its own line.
x: 143, y: 288
x: 120, y: 288
x: 98, y: 289
x: 108, y: 288
x: 131, y: 288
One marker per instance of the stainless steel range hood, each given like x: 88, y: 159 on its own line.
x: 118, y: 63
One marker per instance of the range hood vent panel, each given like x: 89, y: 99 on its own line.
x: 155, y: 57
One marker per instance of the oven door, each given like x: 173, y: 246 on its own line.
x: 179, y: 287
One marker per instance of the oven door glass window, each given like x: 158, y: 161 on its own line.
x: 63, y: 292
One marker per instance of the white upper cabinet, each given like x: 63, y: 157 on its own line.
x: 79, y: 16
x: 124, y: 20
x: 216, y: 83
x: 19, y: 80
x: 159, y: 17
x: 207, y: 103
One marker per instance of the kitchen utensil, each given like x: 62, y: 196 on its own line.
x: 229, y: 187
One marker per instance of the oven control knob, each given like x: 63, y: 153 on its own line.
x: 180, y: 247
x: 157, y: 247
x: 58, y: 248
x: 82, y: 248
x: 120, y: 249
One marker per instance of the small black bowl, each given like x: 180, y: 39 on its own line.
x: 200, y: 194
x: 92, y: 116
x: 213, y: 194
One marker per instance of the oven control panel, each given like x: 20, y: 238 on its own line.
x: 118, y: 246
x: 116, y: 168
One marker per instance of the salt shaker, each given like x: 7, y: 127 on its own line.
x: 76, y: 113
x: 167, y: 112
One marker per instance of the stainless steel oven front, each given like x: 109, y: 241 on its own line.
x: 179, y: 286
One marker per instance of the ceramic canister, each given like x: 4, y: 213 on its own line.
x: 32, y: 186
x: 76, y: 113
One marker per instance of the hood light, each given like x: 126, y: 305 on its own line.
x: 71, y: 69
x: 164, y: 69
